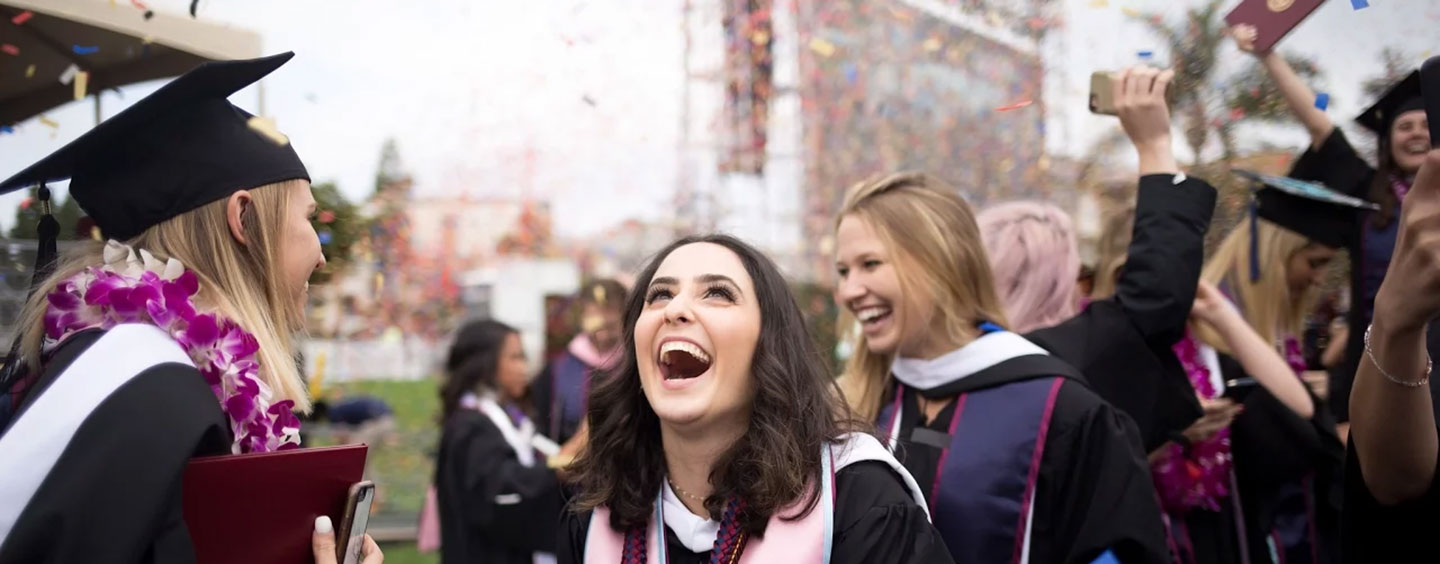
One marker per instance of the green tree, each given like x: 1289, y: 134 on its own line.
x: 340, y: 226
x: 27, y: 217
x: 391, y: 169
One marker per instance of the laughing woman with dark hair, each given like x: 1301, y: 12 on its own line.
x: 721, y: 437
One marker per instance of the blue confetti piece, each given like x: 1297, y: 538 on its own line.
x: 6, y: 129
x: 81, y: 50
x: 1146, y: 54
x: 1322, y: 101
x: 325, y: 237
x: 1359, y: 4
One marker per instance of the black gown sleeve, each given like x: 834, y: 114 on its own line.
x: 114, y: 495
x: 1166, y: 253
x: 1095, y: 488
x: 570, y: 539
x: 1336, y: 165
x: 508, y: 504
x: 1122, y: 345
x: 1374, y: 532
x: 877, y: 521
x: 542, y: 395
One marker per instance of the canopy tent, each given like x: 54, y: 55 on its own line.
x: 114, y: 42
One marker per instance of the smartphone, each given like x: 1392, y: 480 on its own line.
x: 1102, y: 93
x: 1430, y: 89
x: 351, y: 534
x: 1240, y: 388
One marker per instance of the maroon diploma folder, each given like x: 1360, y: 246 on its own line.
x: 1272, y: 18
x: 250, y: 508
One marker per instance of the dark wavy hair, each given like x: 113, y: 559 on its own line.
x: 474, y: 359
x: 776, y: 462
x: 1382, y: 189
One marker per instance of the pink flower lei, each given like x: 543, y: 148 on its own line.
x: 131, y: 289
x: 1198, y: 476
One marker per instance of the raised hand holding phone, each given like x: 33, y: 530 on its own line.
x: 1139, y: 95
x: 322, y: 544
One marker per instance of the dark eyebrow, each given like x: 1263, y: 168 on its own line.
x: 712, y: 278
x: 703, y: 279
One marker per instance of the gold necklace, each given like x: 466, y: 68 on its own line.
x: 684, y: 493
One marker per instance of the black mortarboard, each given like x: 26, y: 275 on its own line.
x: 1403, y: 97
x: 1318, y: 213
x: 173, y: 151
x: 177, y: 149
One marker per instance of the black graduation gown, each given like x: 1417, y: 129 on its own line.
x: 492, y: 509
x: 1093, y: 492
x: 114, y: 493
x: 1122, y: 346
x: 876, y: 522
x: 1337, y: 165
x: 1287, y: 469
x: 1372, y: 532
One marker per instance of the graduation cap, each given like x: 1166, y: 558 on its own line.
x: 1310, y: 209
x: 180, y: 148
x: 1403, y: 97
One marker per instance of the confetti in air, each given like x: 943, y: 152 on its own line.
x: 69, y: 75
x: 10, y: 49
x: 84, y: 50
x: 266, y: 127
x: 50, y: 123
x: 22, y: 17
x: 1322, y: 101
x: 1015, y: 106
x: 82, y: 81
x: 822, y: 47
x: 30, y: 71
x: 1359, y: 4
x: 6, y: 129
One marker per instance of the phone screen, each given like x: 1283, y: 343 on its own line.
x: 359, y: 513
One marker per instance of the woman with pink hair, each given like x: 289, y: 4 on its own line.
x: 1034, y: 258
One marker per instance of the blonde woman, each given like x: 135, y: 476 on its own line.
x: 1023, y: 460
x: 170, y: 341
x: 1253, y: 477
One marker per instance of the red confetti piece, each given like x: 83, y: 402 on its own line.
x: 326, y: 216
x: 25, y: 204
x: 22, y: 17
x: 10, y: 49
x: 1015, y: 106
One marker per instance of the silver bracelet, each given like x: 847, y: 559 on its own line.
x: 1408, y: 384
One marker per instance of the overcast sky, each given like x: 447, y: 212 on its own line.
x: 465, y: 85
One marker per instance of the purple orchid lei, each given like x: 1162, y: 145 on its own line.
x: 131, y: 289
x: 1197, y: 477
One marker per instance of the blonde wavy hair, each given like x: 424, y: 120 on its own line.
x: 1111, y: 250
x: 934, y: 244
x: 241, y: 282
x: 1267, y: 303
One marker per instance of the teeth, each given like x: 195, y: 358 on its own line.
x: 684, y: 347
x: 871, y: 313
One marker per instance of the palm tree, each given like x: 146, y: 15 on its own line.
x: 1206, y: 106
x: 1397, y: 64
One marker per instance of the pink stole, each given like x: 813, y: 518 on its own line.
x: 802, y: 541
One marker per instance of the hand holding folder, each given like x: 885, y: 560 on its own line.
x: 1272, y: 19
x: 251, y: 508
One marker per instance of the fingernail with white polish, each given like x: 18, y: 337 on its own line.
x: 323, y: 525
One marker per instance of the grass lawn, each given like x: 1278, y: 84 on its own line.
x: 405, y: 553
x: 401, y: 465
